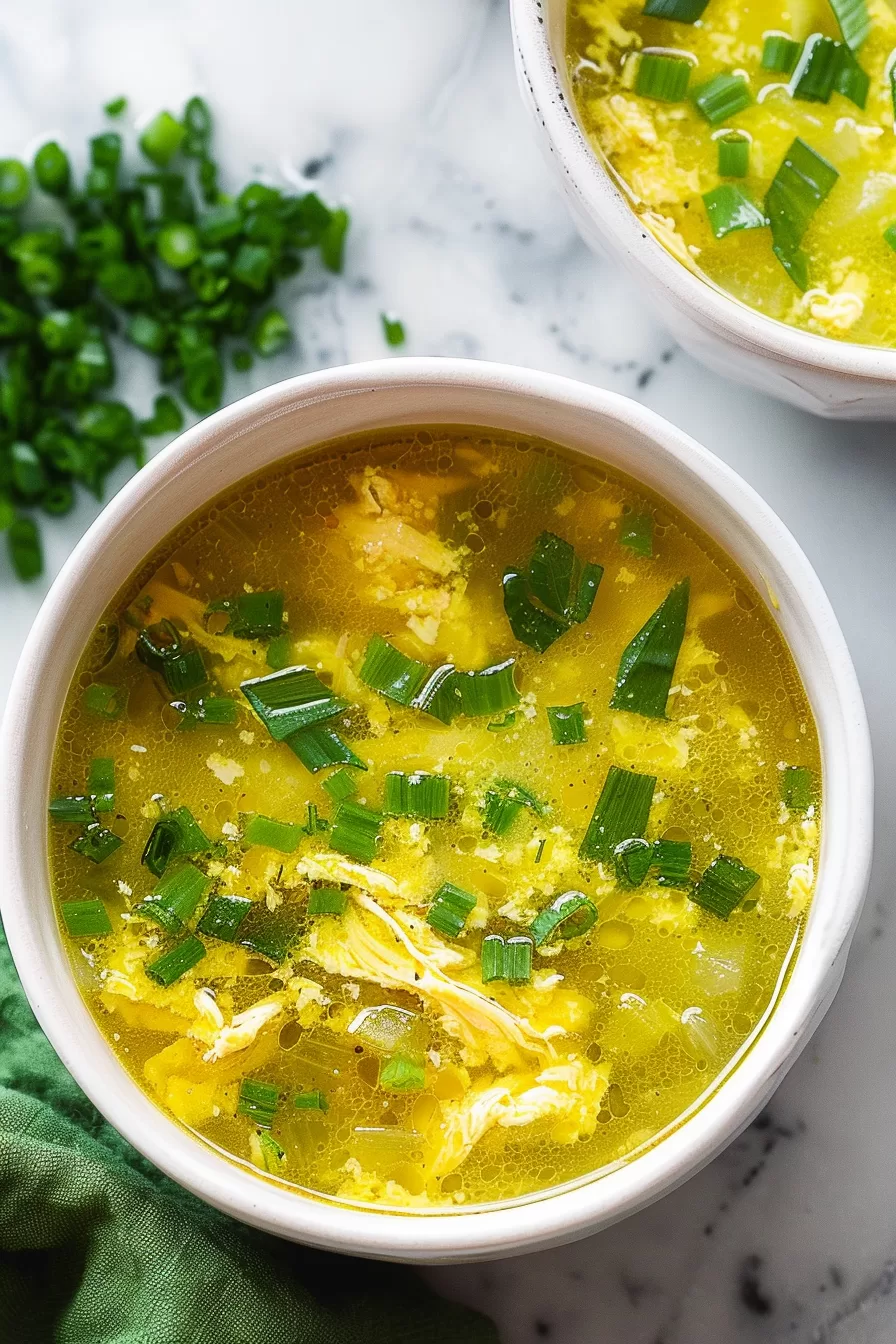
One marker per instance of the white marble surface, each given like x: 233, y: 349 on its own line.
x: 412, y: 106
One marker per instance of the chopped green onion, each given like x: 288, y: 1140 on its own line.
x: 101, y: 783
x: 723, y: 886
x: 73, y: 808
x: 176, y: 834
x: 85, y: 919
x: 270, y: 936
x: 320, y: 746
x: 115, y: 107
x: 15, y: 184
x: 171, y: 965
x: 313, y: 1100
x: 279, y: 652
x: 502, y: 725
x: 332, y: 243
x: 185, y: 672
x: 162, y: 138
x: 271, y: 334
x: 730, y: 210
x: 648, y: 663
x: 283, y: 836
x: 400, y: 1073
x: 213, y: 709
x: 852, y: 81
x: 327, y: 901
x: 518, y: 960
x: 254, y: 616
x: 621, y: 813
x: 52, y: 170
x: 798, y: 188
x: 663, y: 78
x: 97, y: 843
x: 677, y: 11
x: 393, y: 329
x: 176, y: 897
x: 780, y: 53
x: 570, y: 915
x: 567, y: 723
x: 492, y: 958
x: 291, y: 700
x: 816, y: 72
x: 223, y: 917
x: 722, y: 97
x: 157, y: 643
x: 340, y: 785
x: 356, y: 831
x: 853, y: 20
x: 503, y: 804
x: 392, y: 673
x: 637, y: 533
x: 491, y: 690
x: 271, y: 1155
x: 673, y: 859
x: 440, y: 695
x: 450, y: 909
x: 416, y: 795
x: 734, y: 155
x: 108, y: 702
x: 25, y: 553
x: 633, y: 859
x: 797, y: 788
x: 558, y: 580
x: 259, y: 1101
x: 314, y: 822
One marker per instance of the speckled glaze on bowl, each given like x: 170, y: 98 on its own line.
x: 287, y: 419
x: 836, y: 379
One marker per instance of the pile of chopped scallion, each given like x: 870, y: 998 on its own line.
x: 156, y: 255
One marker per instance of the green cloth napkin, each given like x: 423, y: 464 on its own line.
x: 97, y: 1247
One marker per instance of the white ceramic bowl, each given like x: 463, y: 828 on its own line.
x: 259, y: 431
x: 831, y: 378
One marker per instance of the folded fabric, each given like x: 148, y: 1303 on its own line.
x: 97, y: 1247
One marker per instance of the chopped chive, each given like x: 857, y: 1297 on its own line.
x: 637, y: 533
x: 673, y: 859
x: 492, y: 958
x: 729, y: 210
x: 25, y: 553
x: 734, y: 154
x: 621, y: 813
x: 72, y: 808
x: 107, y: 702
x: 816, y: 72
x: 320, y: 746
x: 502, y: 725
x: 172, y: 902
x: 663, y: 78
x: 271, y: 334
x: 798, y: 188
x: 450, y: 909
x: 115, y: 107
x: 491, y: 690
x: 259, y: 1101
x: 223, y: 916
x: 254, y: 616
x: 440, y: 695
x: 356, y: 831
x: 677, y: 11
x: 779, y: 53
x: 271, y: 1154
x: 284, y: 836
x: 852, y: 81
x: 853, y: 20
x: 416, y: 795
x: 723, y: 886
x: 97, y: 843
x: 314, y: 822
x: 184, y: 672
x: 518, y: 960
x: 633, y: 858
x: 162, y: 138
x: 279, y: 652
x: 340, y: 785
x: 313, y: 1100
x: 890, y: 235
x: 722, y: 97
x: 797, y: 788
x: 393, y: 329
x: 569, y: 916
x: 567, y: 723
x: 503, y: 804
x: 648, y: 663
x: 216, y: 710
x: 270, y: 936
x: 101, y: 783
x: 289, y: 701
x: 85, y: 919
x: 558, y: 580
x: 175, y: 834
x: 401, y: 1073
x: 392, y: 673
x: 173, y: 964
x: 327, y: 901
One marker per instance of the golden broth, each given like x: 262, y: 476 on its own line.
x: 666, y: 154
x: 477, y: 1091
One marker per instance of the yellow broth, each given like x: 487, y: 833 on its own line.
x: 513, y: 1087
x: 666, y: 153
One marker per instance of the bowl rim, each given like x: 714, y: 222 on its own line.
x: 591, y: 180
x: 548, y: 1219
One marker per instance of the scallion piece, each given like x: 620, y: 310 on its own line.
x: 157, y: 643
x: 491, y: 690
x: 518, y: 960
x: 289, y: 701
x: 569, y: 916
x: 256, y: 616
x: 440, y: 696
x: 107, y: 702
x: 567, y: 723
x: 176, y: 834
x: 503, y: 803
x: 677, y: 11
x: 816, y: 72
x: 621, y: 813
x: 356, y: 831
x: 722, y: 97
x: 401, y: 1073
x: 313, y: 1100
x: 162, y: 138
x: 416, y: 795
x: 216, y: 710
x: 101, y: 783
x: 633, y: 858
x: 502, y: 725
x: 492, y: 958
x: 729, y: 210
x: 393, y: 329
x: 663, y: 78
x: 340, y: 785
x: 890, y: 235
x: 449, y: 909
x: 185, y: 672
x: 555, y: 592
x: 327, y: 901
x: 258, y: 1101
x: 723, y: 886
x: 320, y: 746
x: 648, y: 663
x: 85, y: 919
x: 853, y: 20
x: 852, y: 81
x: 270, y: 936
x: 175, y: 899
x: 223, y: 917
x: 284, y: 836
x: 279, y: 652
x: 269, y: 1155
x: 173, y: 964
x: 780, y: 53
x: 97, y: 843
x: 798, y: 188
x: 73, y: 809
x: 734, y: 155
x: 637, y: 533
x: 797, y: 788
x: 673, y: 859
x: 392, y: 673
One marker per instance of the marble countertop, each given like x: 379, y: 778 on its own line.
x: 409, y: 111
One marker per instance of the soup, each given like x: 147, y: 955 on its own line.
x: 756, y: 143
x: 434, y: 819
